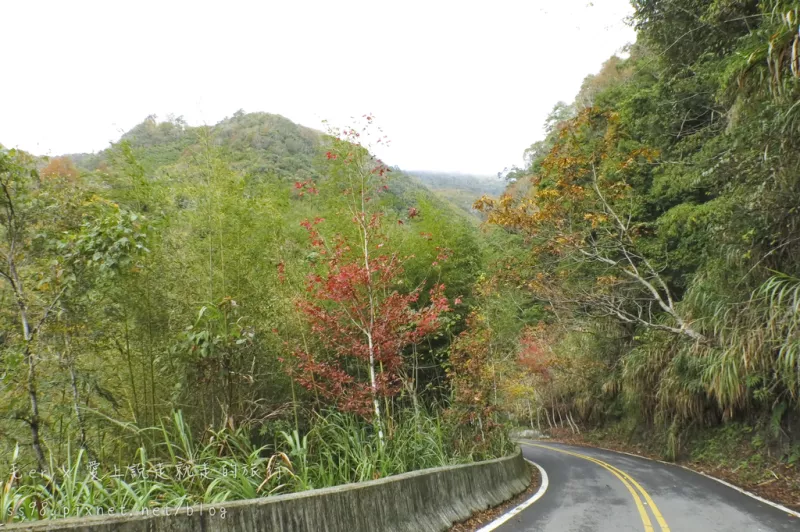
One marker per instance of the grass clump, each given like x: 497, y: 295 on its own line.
x: 171, y: 469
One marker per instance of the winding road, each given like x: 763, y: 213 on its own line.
x: 593, y: 490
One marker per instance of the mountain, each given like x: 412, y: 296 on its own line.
x: 460, y: 189
x: 266, y: 146
x: 259, y: 143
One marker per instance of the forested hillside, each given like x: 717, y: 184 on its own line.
x: 253, y: 295
x: 460, y: 189
x: 261, y: 296
x: 658, y: 244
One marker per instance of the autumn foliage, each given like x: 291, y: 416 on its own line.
x: 469, y: 370
x: 579, y: 181
x: 535, y: 354
x: 60, y: 167
x: 472, y: 372
x: 360, y: 322
x: 351, y: 309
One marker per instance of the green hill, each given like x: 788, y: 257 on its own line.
x: 259, y: 143
x: 460, y: 189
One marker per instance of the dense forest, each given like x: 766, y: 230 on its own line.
x: 263, y: 296
x: 657, y: 230
x: 254, y: 294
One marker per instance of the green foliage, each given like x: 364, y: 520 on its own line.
x: 162, y: 275
x: 660, y: 217
x: 223, y: 465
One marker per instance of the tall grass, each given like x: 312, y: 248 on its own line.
x: 750, y: 368
x: 180, y: 472
x: 342, y: 448
x: 225, y: 466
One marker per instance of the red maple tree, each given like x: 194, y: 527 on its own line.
x: 356, y: 313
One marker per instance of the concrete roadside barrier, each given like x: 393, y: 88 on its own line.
x: 425, y: 500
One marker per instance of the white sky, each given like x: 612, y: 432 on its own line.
x: 462, y: 85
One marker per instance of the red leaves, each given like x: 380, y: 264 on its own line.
x: 360, y: 323
x: 374, y: 222
x: 535, y: 353
x: 349, y: 306
x: 381, y: 170
x: 282, y: 271
x: 303, y: 187
x: 316, y: 238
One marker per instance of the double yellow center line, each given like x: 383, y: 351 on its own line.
x: 628, y: 482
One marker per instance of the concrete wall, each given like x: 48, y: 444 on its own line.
x: 431, y: 499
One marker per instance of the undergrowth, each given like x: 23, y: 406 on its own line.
x: 174, y: 470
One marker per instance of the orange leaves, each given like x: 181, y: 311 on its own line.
x: 469, y: 369
x: 482, y: 203
x: 508, y: 212
x: 60, y: 167
x: 548, y: 194
x: 583, y: 178
x: 634, y: 158
x: 595, y: 219
x: 605, y: 283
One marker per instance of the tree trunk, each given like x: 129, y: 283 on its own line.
x: 573, y: 423
x: 530, y: 413
x: 374, y: 386
x: 76, y: 404
x: 34, y: 420
x: 135, y: 408
x: 28, y: 336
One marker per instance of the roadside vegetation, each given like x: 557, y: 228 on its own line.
x: 655, y: 272
x: 173, y: 469
x: 261, y: 293
x: 208, y: 314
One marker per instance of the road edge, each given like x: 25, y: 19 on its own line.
x: 726, y: 483
x: 523, y: 505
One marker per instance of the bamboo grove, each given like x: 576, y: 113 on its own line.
x: 253, y: 295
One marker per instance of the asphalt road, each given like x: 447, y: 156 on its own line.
x: 594, y: 490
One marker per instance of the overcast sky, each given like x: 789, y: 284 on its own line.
x: 462, y: 86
